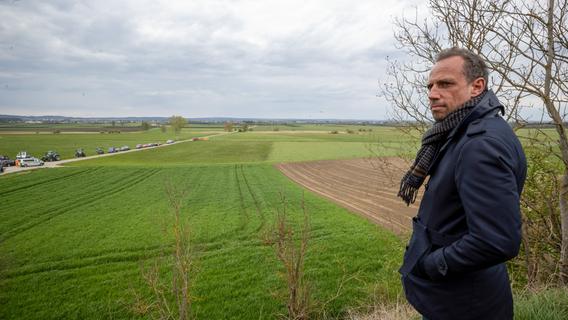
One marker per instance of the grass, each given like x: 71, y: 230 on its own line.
x: 267, y: 147
x: 74, y: 251
x: 549, y: 304
x: 223, y: 152
x: 188, y: 153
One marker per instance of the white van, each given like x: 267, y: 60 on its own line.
x: 30, y: 162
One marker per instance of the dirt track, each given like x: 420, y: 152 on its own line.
x: 56, y: 164
x: 365, y: 186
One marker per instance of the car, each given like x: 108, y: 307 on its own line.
x: 139, y: 146
x: 5, y: 161
x: 30, y: 162
x: 99, y: 150
x: 170, y: 141
x: 112, y: 150
x: 124, y: 148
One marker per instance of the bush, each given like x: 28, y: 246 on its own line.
x: 540, y: 250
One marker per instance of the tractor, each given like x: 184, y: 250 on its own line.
x: 79, y: 153
x: 50, y: 156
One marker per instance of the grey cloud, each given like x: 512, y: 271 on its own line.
x: 77, y: 56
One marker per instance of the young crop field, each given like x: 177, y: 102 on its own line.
x: 269, y: 147
x: 75, y: 251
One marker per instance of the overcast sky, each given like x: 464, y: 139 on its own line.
x: 268, y: 59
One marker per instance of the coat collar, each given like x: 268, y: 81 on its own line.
x: 488, y: 104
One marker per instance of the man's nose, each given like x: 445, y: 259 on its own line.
x: 433, y: 93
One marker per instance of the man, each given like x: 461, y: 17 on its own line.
x: 468, y: 224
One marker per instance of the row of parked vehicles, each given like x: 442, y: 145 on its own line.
x: 23, y: 159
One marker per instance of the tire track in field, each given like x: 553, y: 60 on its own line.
x: 78, y: 262
x: 367, y: 187
x: 242, y: 208
x: 80, y: 201
x: 254, y: 199
x: 60, y: 178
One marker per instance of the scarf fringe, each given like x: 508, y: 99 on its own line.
x: 408, y: 192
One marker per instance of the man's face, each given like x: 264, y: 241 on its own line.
x: 448, y: 88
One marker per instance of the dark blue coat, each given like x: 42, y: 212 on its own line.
x: 469, y: 222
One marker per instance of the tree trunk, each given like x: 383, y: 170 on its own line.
x: 564, y: 225
x: 563, y: 141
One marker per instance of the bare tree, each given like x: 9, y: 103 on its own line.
x: 525, y: 44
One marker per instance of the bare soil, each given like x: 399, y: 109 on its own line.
x: 367, y: 187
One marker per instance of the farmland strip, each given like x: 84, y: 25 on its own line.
x: 365, y: 186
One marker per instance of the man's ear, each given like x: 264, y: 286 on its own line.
x: 477, y: 86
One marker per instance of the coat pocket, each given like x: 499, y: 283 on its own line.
x: 418, y: 246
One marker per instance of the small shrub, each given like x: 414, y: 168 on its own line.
x: 334, y: 132
x: 172, y: 299
x: 291, y: 252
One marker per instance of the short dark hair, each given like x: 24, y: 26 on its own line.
x: 474, y: 67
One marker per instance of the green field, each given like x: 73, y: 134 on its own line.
x: 74, y: 251
x: 72, y: 239
x: 268, y: 147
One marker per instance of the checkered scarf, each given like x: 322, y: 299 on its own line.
x: 432, y: 141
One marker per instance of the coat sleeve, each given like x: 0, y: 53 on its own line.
x: 486, y: 179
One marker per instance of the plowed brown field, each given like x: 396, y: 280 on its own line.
x: 365, y: 186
